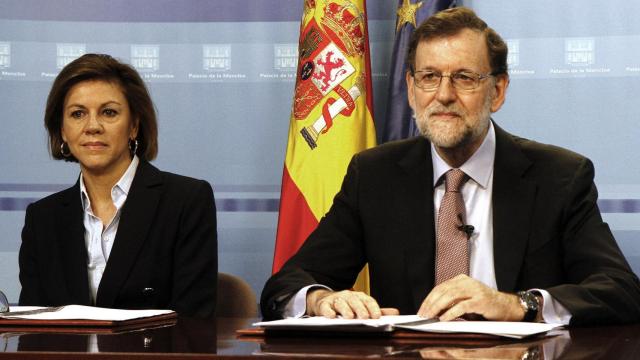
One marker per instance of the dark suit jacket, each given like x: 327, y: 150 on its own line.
x: 548, y: 232
x: 164, y: 254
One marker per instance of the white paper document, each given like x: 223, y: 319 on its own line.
x: 384, y: 323
x: 78, y: 312
x: 516, y: 330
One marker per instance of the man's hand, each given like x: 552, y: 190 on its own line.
x: 463, y: 295
x: 346, y: 303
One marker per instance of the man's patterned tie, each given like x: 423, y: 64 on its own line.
x: 452, y: 248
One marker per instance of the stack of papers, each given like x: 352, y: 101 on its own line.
x: 78, y: 312
x: 81, y: 319
x: 516, y: 330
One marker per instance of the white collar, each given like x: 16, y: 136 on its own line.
x: 122, y: 187
x: 478, y: 167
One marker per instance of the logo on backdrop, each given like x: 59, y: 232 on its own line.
x: 66, y: 53
x: 216, y: 57
x: 579, y: 51
x: 517, y: 65
x: 513, y: 57
x: 580, y: 58
x: 145, y: 58
x: 324, y: 65
x: 217, y: 63
x: 285, y: 57
x: 5, y: 55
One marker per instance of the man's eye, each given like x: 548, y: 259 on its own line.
x: 430, y: 76
x: 464, y: 77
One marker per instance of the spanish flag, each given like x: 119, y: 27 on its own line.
x: 331, y: 117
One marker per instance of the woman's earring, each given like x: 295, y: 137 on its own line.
x: 133, y: 146
x: 62, y: 148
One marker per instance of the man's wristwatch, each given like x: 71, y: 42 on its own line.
x: 533, y: 353
x: 530, y: 304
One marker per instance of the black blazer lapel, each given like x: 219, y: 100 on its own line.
x: 70, y: 229
x: 513, y: 201
x: 420, y: 239
x: 136, y: 219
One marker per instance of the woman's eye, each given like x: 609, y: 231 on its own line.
x: 110, y: 112
x: 76, y: 114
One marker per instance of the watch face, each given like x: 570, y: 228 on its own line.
x: 531, y: 300
x: 530, y: 303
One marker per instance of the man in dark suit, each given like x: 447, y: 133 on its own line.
x: 538, y: 249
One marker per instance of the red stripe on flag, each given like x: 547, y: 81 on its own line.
x: 295, y: 222
x: 367, y: 61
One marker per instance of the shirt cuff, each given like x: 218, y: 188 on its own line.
x: 552, y: 311
x: 297, y: 305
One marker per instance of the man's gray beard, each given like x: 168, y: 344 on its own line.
x: 468, y: 135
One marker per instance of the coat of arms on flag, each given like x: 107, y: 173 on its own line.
x: 331, y: 116
x: 326, y: 52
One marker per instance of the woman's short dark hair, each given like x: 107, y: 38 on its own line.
x: 450, y: 22
x: 105, y: 68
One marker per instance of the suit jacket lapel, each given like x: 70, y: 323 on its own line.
x: 513, y: 200
x: 73, y: 250
x: 420, y: 237
x: 136, y: 218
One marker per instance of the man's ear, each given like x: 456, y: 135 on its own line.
x: 500, y: 91
x: 411, y: 95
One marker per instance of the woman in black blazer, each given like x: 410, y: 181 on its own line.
x: 126, y: 235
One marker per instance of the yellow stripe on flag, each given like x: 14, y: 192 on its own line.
x: 331, y: 117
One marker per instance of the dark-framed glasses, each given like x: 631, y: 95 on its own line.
x: 4, y: 303
x: 461, y: 80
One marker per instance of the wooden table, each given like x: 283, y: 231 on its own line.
x: 217, y: 339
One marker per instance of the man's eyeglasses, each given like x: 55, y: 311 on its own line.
x: 461, y: 80
x: 4, y: 303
